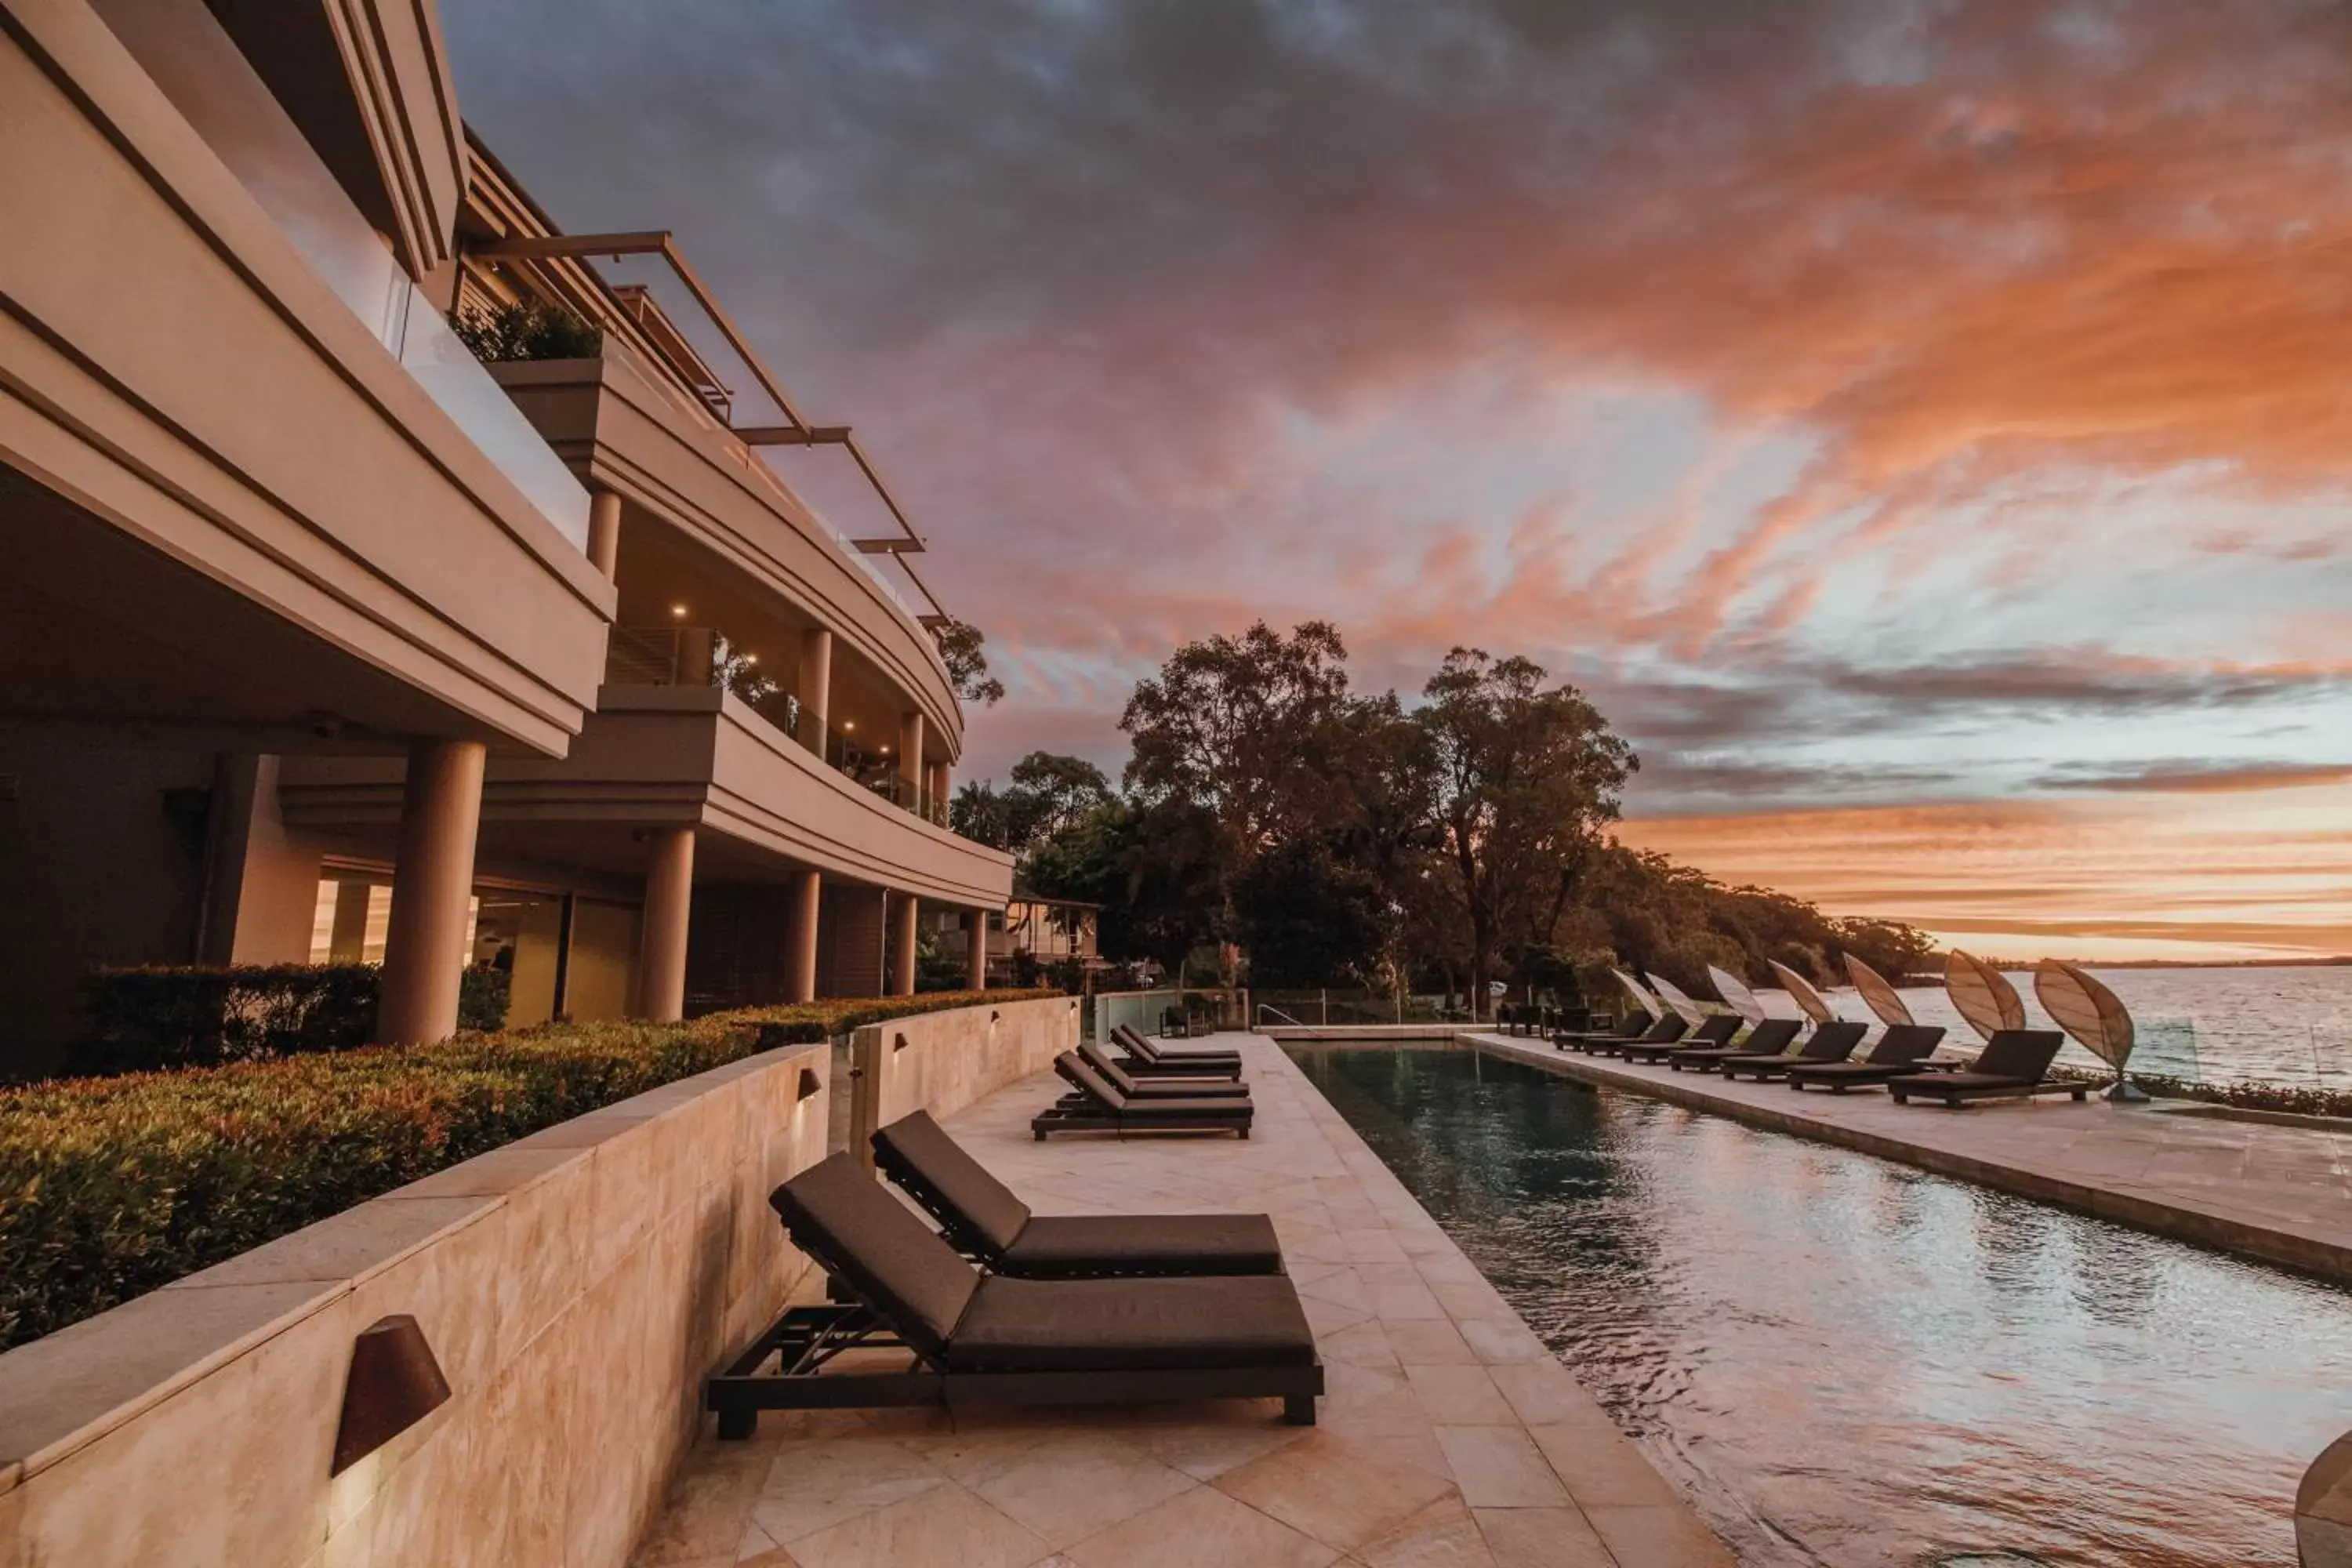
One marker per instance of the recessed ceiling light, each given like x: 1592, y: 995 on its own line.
x: 751, y: 658
x: 849, y: 723
x: 678, y: 611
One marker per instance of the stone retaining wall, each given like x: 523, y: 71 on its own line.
x: 576, y: 1287
x: 941, y: 1062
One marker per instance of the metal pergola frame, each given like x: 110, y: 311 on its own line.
x: 796, y: 432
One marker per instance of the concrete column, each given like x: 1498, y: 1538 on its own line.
x: 976, y: 959
x: 661, y: 955
x: 604, y: 532
x: 939, y: 788
x: 696, y: 651
x: 347, y: 938
x: 803, y: 899
x: 910, y: 758
x: 814, y: 688
x: 432, y: 889
x: 902, y: 944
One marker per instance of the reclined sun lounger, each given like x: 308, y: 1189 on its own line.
x: 1900, y: 1052
x: 1157, y: 1088
x: 1768, y: 1042
x: 2014, y: 1063
x: 1667, y: 1031
x: 1631, y: 1026
x: 1095, y: 1105
x: 983, y: 1218
x: 1145, y: 1056
x: 976, y: 1340
x: 1712, y: 1034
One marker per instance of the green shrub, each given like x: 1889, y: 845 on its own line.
x: 112, y: 1187
x: 526, y: 330
x: 202, y: 1015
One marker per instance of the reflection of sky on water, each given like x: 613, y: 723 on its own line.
x: 1847, y: 1361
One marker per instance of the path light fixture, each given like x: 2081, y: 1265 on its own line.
x: 394, y: 1384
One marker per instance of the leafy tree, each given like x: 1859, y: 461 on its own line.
x: 963, y: 651
x: 1526, y: 779
x: 981, y: 815
x: 1231, y: 728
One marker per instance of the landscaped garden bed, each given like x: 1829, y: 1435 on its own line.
x: 111, y: 1188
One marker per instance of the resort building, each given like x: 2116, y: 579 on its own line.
x: 325, y: 639
x: 1033, y: 935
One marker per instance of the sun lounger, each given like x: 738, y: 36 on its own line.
x: 1157, y: 1088
x: 1145, y: 1056
x: 985, y: 1219
x: 1097, y: 1105
x: 971, y: 1340
x: 1712, y: 1034
x: 1901, y: 1052
x: 2014, y: 1063
x: 1667, y: 1031
x: 1768, y: 1042
x: 1631, y: 1026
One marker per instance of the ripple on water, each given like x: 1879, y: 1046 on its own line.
x: 1843, y: 1361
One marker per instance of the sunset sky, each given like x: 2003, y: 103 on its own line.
x: 1925, y: 430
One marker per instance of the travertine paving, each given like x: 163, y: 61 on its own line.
x: 1449, y: 1435
x: 2278, y: 1193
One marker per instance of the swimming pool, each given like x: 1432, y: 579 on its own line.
x: 1843, y: 1360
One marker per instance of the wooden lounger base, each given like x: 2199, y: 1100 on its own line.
x: 1060, y: 1119
x: 805, y: 1339
x: 1960, y: 1097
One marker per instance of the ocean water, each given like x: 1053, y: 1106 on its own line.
x: 1845, y: 1362
x: 2216, y: 1026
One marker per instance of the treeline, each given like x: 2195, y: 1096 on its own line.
x: 1272, y: 824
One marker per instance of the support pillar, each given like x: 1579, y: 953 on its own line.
x: 976, y: 955
x: 803, y: 899
x: 814, y: 688
x: 347, y: 938
x: 661, y: 956
x: 910, y: 758
x: 902, y: 944
x: 432, y: 889
x: 941, y: 787
x: 604, y: 532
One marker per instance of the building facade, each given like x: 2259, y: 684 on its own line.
x: 323, y: 638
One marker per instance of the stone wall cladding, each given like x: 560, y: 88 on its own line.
x: 576, y: 1286
x: 941, y: 1062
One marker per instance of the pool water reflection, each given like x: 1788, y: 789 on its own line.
x: 1843, y: 1360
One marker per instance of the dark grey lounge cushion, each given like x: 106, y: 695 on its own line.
x: 1075, y: 1071
x: 1069, y: 1246
x: 1111, y: 1325
x: 1832, y: 1042
x: 1150, y: 1051
x: 1155, y: 1087
x: 842, y: 1216
x: 1906, y: 1043
x: 982, y: 1213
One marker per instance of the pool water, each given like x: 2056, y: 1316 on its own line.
x: 1843, y: 1361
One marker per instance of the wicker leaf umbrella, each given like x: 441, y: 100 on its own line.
x: 1642, y: 999
x: 1736, y: 995
x: 1810, y: 1002
x: 2093, y: 1015
x: 1983, y: 995
x: 1678, y: 999
x: 1879, y: 997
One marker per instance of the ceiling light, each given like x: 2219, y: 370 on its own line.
x: 678, y: 611
x: 849, y: 723
x: 751, y: 658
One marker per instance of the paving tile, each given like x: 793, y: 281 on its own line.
x: 1500, y: 1466
x: 1075, y: 1484
x: 1335, y: 1489
x: 946, y: 1526
x: 1201, y: 1527
x: 1443, y: 1536
x: 1459, y: 1397
x: 1547, y: 1538
x: 1665, y: 1537
x: 818, y: 1483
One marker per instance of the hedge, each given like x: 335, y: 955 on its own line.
x: 180, y: 1015
x: 111, y: 1188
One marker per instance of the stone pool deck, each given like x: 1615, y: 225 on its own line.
x: 1449, y: 1435
x: 2280, y: 1193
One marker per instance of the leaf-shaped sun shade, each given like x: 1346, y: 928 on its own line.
x: 1678, y: 999
x: 1983, y: 995
x: 1736, y: 996
x: 1642, y: 999
x: 2085, y: 1009
x: 1810, y: 1002
x: 1877, y: 995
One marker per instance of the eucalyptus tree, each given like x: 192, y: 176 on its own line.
x: 1527, y: 779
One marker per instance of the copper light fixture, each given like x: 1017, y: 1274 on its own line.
x: 394, y: 1384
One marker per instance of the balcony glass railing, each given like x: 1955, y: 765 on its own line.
x: 702, y: 655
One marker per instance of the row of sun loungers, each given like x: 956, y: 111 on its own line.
x: 2014, y: 1063
x: 1001, y: 1306
x: 1149, y: 1089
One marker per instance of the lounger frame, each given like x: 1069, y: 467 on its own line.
x: 1954, y: 1098
x: 802, y: 1342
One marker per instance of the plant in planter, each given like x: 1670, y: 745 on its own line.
x: 526, y: 330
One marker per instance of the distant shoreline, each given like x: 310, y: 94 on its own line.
x: 2338, y: 961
